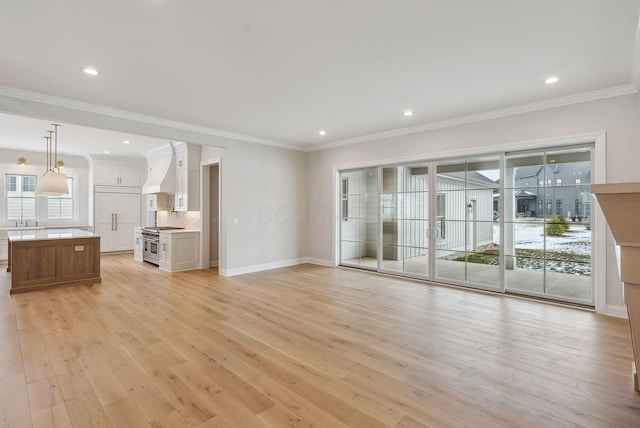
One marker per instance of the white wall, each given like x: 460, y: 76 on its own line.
x: 264, y: 188
x: 284, y: 199
x: 619, y: 117
x: 75, y: 166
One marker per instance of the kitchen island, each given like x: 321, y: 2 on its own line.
x: 41, y: 259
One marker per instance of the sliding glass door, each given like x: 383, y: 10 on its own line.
x: 359, y: 218
x: 468, y: 239
x: 516, y: 222
x: 547, y: 224
x: 404, y: 216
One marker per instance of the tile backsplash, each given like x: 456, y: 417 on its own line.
x: 188, y: 219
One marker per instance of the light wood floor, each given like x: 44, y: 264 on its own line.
x: 304, y: 346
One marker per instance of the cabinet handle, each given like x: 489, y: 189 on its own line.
x: 112, y: 221
x: 116, y: 221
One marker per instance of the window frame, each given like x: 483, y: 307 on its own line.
x: 20, y: 189
x: 72, y: 195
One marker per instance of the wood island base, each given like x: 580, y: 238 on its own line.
x: 43, y: 264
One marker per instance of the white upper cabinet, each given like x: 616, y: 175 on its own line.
x: 118, y: 172
x: 187, y: 196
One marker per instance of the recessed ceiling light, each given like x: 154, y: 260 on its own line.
x: 408, y: 113
x: 551, y: 79
x: 90, y: 71
x: 322, y: 132
x: 107, y: 152
x: 126, y: 142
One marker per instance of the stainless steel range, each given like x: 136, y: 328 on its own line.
x: 151, y: 243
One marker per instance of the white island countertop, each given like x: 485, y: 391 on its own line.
x: 47, y: 234
x: 179, y: 231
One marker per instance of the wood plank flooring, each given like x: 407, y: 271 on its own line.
x: 305, y: 346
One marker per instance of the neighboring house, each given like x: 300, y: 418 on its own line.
x: 461, y: 214
x: 544, y: 191
x: 464, y: 212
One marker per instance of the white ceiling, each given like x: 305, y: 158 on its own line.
x: 281, y: 70
x: 18, y: 132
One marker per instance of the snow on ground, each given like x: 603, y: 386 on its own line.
x: 576, y: 240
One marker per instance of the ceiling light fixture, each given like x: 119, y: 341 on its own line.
x: 90, y: 71
x: 107, y: 152
x: 408, y: 113
x: 126, y: 142
x: 53, y: 182
x: 322, y: 133
x: 551, y: 80
x: 22, y: 161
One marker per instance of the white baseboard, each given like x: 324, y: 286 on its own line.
x: 320, y: 262
x: 272, y: 265
x: 258, y: 268
x: 618, y: 311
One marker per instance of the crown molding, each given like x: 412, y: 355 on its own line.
x: 136, y: 117
x: 494, y: 114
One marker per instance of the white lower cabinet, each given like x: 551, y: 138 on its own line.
x: 138, y: 245
x: 4, y: 249
x: 179, y: 250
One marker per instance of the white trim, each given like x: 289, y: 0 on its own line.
x: 205, y: 214
x: 264, y: 266
x: 335, y: 209
x: 494, y: 114
x: 477, y: 151
x: 618, y: 311
x: 137, y: 117
x: 631, y: 88
x: 319, y: 262
x: 599, y: 174
x: 599, y: 225
x: 635, y: 66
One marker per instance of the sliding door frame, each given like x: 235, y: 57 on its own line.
x: 598, y: 174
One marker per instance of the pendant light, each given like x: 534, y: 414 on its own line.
x: 53, y: 182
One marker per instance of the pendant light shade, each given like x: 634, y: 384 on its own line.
x: 53, y: 182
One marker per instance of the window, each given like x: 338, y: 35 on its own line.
x: 61, y: 207
x: 21, y: 197
x: 578, y: 181
x: 558, y: 206
x: 549, y: 207
x: 558, y: 181
x: 440, y: 216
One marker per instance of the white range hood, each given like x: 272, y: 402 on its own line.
x: 161, y: 171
